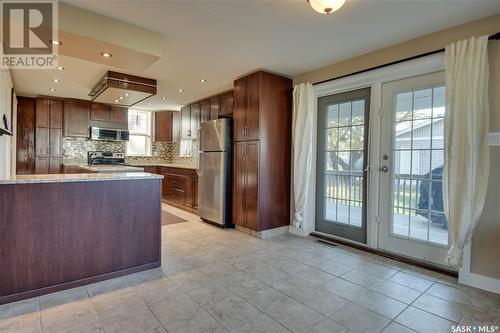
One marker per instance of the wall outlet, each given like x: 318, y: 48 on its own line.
x: 494, y: 139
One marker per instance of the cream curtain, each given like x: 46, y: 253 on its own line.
x: 302, y: 136
x: 466, y: 166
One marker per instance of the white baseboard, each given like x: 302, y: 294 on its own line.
x: 479, y: 281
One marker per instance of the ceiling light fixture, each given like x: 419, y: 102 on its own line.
x: 106, y: 54
x: 326, y: 6
x: 116, y: 101
x: 164, y: 98
x: 181, y: 90
x: 121, y: 97
x: 126, y: 94
x: 55, y: 80
x: 52, y: 89
x: 61, y: 68
x: 203, y: 80
x: 56, y: 42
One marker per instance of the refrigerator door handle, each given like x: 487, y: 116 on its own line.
x: 198, y: 166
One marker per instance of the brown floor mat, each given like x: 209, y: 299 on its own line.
x: 167, y: 218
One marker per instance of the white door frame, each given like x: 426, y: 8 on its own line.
x: 374, y: 80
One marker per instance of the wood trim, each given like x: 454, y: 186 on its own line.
x: 77, y: 283
x: 332, y: 240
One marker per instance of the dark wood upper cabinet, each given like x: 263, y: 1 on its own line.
x: 214, y: 107
x: 205, y: 110
x: 176, y: 126
x: 253, y: 106
x: 186, y: 122
x: 56, y: 113
x: 240, y: 109
x: 195, y: 119
x: 226, y: 104
x: 25, y: 136
x: 76, y: 118
x: 42, y: 112
x: 48, y: 135
x: 100, y: 112
x: 164, y: 126
x: 118, y: 114
x: 262, y: 120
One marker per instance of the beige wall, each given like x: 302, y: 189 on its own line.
x: 485, y: 258
x: 424, y: 44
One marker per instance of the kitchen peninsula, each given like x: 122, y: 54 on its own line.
x: 65, y: 230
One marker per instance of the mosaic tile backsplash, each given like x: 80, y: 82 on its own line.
x: 75, y: 149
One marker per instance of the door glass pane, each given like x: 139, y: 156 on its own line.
x: 417, y: 166
x: 344, y: 174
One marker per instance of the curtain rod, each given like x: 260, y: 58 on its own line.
x: 492, y: 37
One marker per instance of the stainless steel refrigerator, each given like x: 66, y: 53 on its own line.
x: 214, y: 172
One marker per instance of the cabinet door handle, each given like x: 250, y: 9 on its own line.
x: 243, y: 151
x: 243, y: 131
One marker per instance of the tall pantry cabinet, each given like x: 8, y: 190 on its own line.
x: 262, y: 119
x: 48, y: 135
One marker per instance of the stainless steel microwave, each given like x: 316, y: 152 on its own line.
x: 108, y: 134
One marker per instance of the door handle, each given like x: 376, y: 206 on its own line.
x: 384, y: 168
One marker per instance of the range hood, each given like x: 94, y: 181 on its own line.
x: 122, y: 89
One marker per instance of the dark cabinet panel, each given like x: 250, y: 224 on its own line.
x: 42, y: 165
x: 252, y: 109
x: 240, y: 109
x: 56, y: 113
x: 227, y: 103
x: 180, y: 187
x: 42, y: 112
x: 252, y: 185
x: 163, y: 126
x: 214, y: 107
x: 239, y: 175
x: 55, y: 164
x: 176, y: 126
x: 100, y: 112
x: 42, y: 142
x: 55, y: 142
x: 118, y: 115
x: 186, y: 122
x: 205, y: 110
x: 25, y: 136
x: 195, y: 120
x: 76, y: 118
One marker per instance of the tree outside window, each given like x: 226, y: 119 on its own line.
x: 139, y: 125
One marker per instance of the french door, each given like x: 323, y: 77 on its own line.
x: 412, y: 220
x: 342, y: 159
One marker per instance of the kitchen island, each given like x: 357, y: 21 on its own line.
x: 66, y: 230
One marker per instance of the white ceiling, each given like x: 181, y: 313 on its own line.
x: 220, y: 40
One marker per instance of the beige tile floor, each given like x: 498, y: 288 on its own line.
x: 215, y: 280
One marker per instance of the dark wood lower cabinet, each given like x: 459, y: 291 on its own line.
x: 58, y: 236
x: 180, y: 187
x: 246, y: 184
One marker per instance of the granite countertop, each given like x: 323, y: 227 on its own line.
x: 163, y: 164
x: 111, y: 168
x: 81, y: 177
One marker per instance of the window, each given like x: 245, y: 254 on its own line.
x: 139, y: 125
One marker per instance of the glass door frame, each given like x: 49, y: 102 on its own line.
x: 387, y: 241
x: 346, y: 231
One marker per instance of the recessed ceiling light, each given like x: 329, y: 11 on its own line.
x: 52, y: 89
x: 106, y: 54
x: 56, y: 42
x: 61, y: 68
x: 55, y: 80
x: 126, y: 94
x: 116, y: 101
x: 181, y: 90
x: 121, y: 97
x: 164, y: 98
x: 203, y: 80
